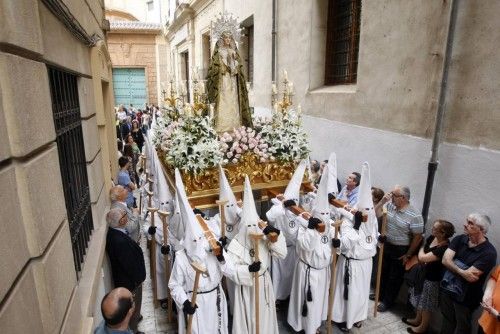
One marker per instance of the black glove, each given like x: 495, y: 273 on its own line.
x: 223, y: 241
x: 288, y: 203
x: 313, y: 222
x: 331, y: 196
x: 198, y: 212
x: 220, y: 257
x: 358, y: 219
x: 335, y: 243
x: 152, y: 230
x: 382, y: 238
x: 165, y: 250
x: 268, y: 229
x: 254, y: 267
x: 188, y: 308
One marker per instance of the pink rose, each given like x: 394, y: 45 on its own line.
x: 234, y: 161
x: 238, y: 150
x: 229, y: 155
x: 237, y: 156
x: 256, y: 151
x: 251, y: 146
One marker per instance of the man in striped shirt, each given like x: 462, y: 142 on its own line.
x: 405, y: 227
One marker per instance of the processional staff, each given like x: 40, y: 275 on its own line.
x: 164, y: 217
x: 221, y: 203
x: 333, y: 279
x: 199, y: 269
x: 152, y: 254
x: 256, y: 237
x: 380, y: 259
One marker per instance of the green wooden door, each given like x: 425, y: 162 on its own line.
x: 129, y: 85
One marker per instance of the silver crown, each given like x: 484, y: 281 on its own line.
x: 226, y: 23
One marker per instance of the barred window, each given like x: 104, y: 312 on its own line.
x: 69, y: 138
x: 342, y: 42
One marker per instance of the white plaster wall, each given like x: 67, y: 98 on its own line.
x: 466, y: 181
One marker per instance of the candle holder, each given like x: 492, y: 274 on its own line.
x: 288, y: 93
x: 200, y: 97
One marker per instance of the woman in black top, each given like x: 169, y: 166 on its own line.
x: 137, y: 135
x: 429, y: 256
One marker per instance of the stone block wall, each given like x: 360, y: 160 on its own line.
x: 40, y: 291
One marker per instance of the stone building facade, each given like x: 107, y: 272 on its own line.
x: 136, y: 41
x: 53, y: 51
x: 387, y: 117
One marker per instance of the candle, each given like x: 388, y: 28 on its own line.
x: 299, y: 109
x: 276, y: 108
x: 211, y: 110
x: 275, y: 91
x: 285, y: 75
x: 202, y: 87
x: 290, y: 85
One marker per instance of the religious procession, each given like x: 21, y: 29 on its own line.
x: 264, y: 167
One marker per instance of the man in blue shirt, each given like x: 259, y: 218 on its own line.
x: 117, y: 308
x: 124, y: 180
x: 350, y: 191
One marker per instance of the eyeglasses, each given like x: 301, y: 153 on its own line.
x: 397, y: 196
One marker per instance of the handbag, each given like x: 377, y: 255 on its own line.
x: 415, y: 277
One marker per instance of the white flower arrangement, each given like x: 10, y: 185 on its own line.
x: 242, y: 140
x: 190, y: 144
x: 285, y: 136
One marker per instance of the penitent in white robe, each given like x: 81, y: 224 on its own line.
x: 312, y: 270
x: 361, y: 246
x: 162, y: 260
x: 211, y: 315
x: 282, y: 269
x: 231, y: 230
x: 244, y: 304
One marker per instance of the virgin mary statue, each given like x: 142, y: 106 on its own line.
x: 226, y: 84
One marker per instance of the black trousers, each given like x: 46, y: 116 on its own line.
x: 457, y: 318
x: 393, y: 271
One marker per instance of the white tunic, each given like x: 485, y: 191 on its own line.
x: 211, y: 314
x: 360, y: 246
x: 312, y: 271
x: 282, y: 269
x: 244, y: 305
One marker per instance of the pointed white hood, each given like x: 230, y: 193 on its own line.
x: 332, y: 174
x: 194, y: 241
x: 231, y: 210
x: 293, y: 189
x: 249, y: 217
x: 365, y: 205
x: 321, y: 207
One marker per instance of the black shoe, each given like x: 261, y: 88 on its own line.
x: 411, y: 331
x: 382, y: 307
x: 372, y: 296
x: 405, y: 320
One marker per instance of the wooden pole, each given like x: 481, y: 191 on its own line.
x: 256, y: 237
x: 199, y: 269
x: 163, y: 216
x: 222, y: 215
x: 152, y: 258
x: 379, y: 265
x: 140, y: 190
x: 150, y: 195
x: 333, y: 279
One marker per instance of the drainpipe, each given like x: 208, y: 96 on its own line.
x: 273, y: 49
x: 436, y: 140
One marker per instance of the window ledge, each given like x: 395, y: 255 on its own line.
x: 334, y: 89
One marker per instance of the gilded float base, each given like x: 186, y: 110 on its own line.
x: 203, y: 188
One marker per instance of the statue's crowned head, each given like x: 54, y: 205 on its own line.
x: 226, y: 30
